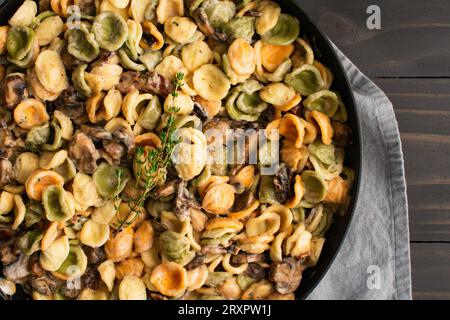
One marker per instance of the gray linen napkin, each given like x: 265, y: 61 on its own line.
x: 374, y: 261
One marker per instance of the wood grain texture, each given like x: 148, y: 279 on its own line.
x: 430, y: 262
x: 414, y: 40
x: 422, y: 109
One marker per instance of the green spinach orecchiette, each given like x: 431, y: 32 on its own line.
x: 137, y: 145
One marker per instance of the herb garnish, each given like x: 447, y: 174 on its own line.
x: 152, y: 164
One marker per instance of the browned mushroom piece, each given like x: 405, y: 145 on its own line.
x: 72, y: 104
x: 104, y: 58
x: 17, y: 271
x: 214, y: 249
x: 266, y: 117
x: 157, y: 296
x: 8, y: 253
x: 343, y: 135
x: 196, y: 262
x: 90, y: 279
x: 96, y: 133
x: 256, y: 271
x: 203, y: 23
x: 6, y: 172
x: 247, y: 258
x: 10, y: 147
x: 69, y: 61
x: 95, y: 255
x: 167, y: 189
x: 44, y: 5
x: 282, y: 183
x: 83, y: 152
x: 69, y: 290
x: 6, y: 233
x: 201, y: 18
x: 233, y: 250
x: 35, y: 267
x: 286, y: 274
x: 252, y: 13
x: 243, y: 201
x: 200, y: 112
x: 120, y: 147
x: 145, y: 82
x: 184, y: 201
x: 46, y: 284
x: 13, y: 90
x: 87, y: 7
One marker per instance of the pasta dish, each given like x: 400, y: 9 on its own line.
x: 165, y: 149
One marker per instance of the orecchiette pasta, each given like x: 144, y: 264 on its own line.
x: 169, y: 278
x: 196, y: 54
x: 54, y: 256
x: 85, y: 191
x: 107, y: 273
x: 167, y: 149
x: 210, y: 82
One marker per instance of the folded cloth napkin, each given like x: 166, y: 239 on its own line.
x: 374, y: 260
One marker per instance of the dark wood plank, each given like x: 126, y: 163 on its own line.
x: 422, y: 109
x: 431, y: 273
x: 414, y: 39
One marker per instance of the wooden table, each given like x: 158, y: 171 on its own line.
x: 409, y: 58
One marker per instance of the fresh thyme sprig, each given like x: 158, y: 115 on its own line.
x: 152, y: 164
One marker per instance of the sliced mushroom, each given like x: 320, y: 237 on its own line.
x: 95, y: 255
x: 6, y: 233
x: 214, y: 249
x: 18, y: 270
x: 69, y: 61
x: 286, y: 274
x: 157, y: 296
x: 342, y: 134
x: 83, y: 152
x: 7, y: 251
x: 70, y: 292
x: 10, y: 147
x: 167, y: 189
x: 202, y: 21
x: 87, y: 7
x: 35, y: 267
x: 184, y: 201
x: 256, y: 271
x: 96, y: 133
x: 44, y: 5
x: 105, y: 57
x: 90, y: 279
x: 14, y: 89
x: 282, y: 183
x: 195, y: 263
x: 45, y: 285
x: 6, y: 172
x: 247, y: 258
x: 72, y: 104
x: 145, y: 82
x: 200, y: 112
x: 120, y: 147
x: 243, y: 201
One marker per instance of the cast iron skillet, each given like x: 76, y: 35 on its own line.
x: 324, y: 53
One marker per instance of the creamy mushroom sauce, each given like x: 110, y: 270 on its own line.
x: 85, y: 87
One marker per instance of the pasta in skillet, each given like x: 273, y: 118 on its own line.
x: 111, y: 116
